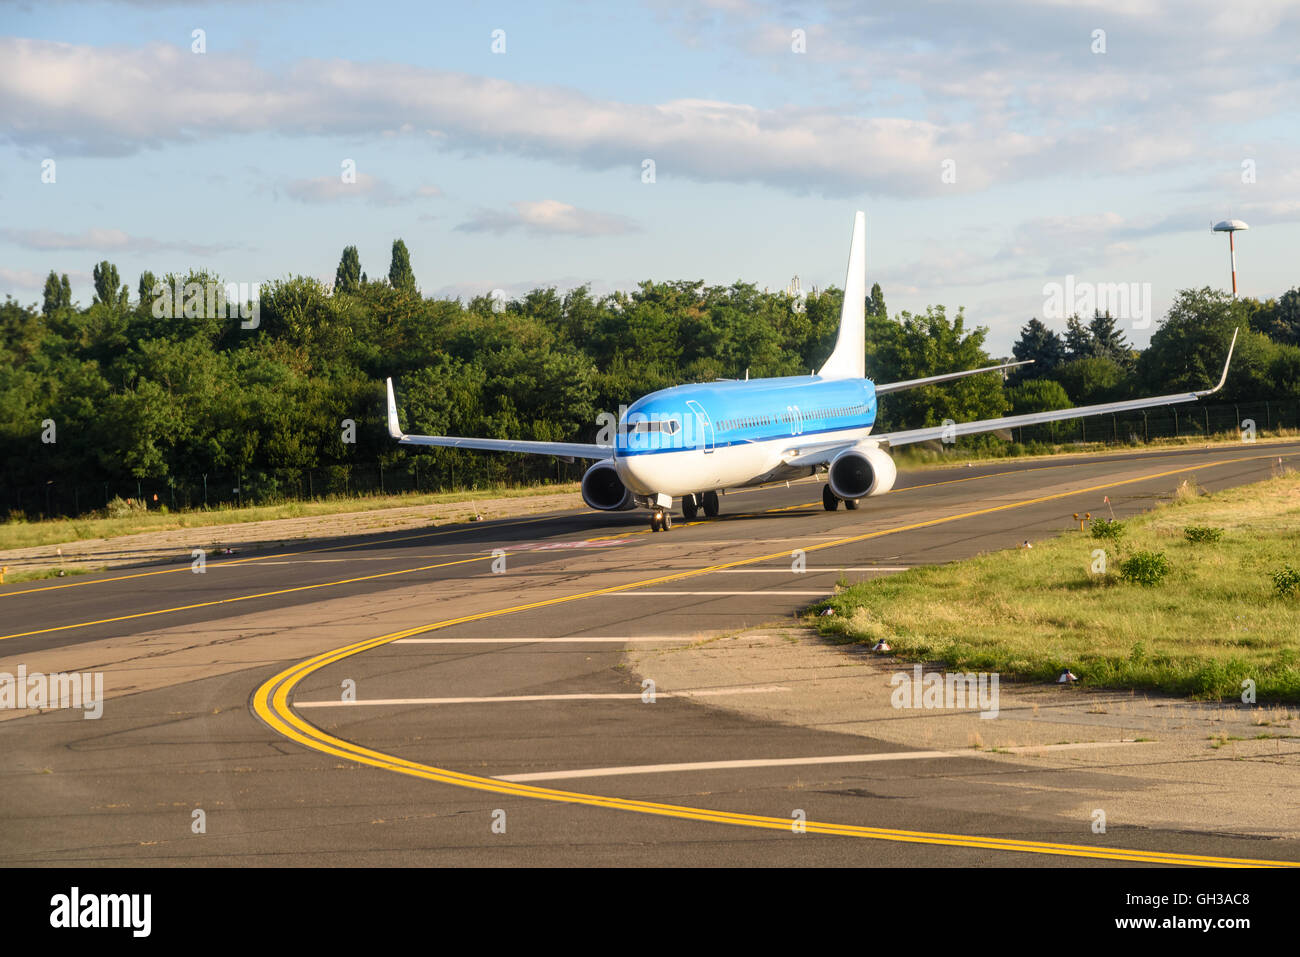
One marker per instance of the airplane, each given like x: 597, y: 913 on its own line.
x: 691, y: 442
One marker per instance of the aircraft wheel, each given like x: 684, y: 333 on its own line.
x: 711, y: 506
x: 655, y: 519
x: 666, y: 520
x: 830, y: 501
x: 851, y: 503
x: 690, y: 507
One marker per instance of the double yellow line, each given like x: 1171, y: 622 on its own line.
x: 271, y: 702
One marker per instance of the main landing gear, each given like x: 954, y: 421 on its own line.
x: 831, y: 501
x: 693, y: 504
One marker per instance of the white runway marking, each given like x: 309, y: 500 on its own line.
x: 814, y: 571
x: 785, y: 762
x: 530, y: 641
x: 765, y: 591
x: 725, y: 765
x: 320, y: 561
x: 631, y: 696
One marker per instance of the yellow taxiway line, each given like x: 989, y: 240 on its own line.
x: 271, y: 702
x: 262, y: 558
x: 235, y: 598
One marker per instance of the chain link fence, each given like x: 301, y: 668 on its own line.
x: 65, y: 496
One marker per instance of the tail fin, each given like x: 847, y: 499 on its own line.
x: 848, y: 360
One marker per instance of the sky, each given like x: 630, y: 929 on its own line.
x: 997, y: 148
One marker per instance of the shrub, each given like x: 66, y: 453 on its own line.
x: 1145, y: 568
x: 1107, y: 529
x: 1287, y: 581
x: 124, y: 508
x: 1202, y: 534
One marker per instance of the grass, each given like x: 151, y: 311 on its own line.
x: 1214, y: 621
x: 12, y: 578
x: 20, y: 533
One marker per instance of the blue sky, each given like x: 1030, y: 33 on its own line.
x: 518, y: 169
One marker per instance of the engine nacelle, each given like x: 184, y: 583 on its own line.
x: 602, y: 488
x: 861, y: 471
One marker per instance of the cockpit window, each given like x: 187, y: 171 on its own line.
x: 665, y: 426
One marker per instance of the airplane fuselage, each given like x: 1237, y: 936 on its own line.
x: 720, y: 435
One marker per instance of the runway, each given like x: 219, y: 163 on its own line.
x: 460, y: 696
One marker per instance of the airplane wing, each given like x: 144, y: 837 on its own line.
x: 821, y: 454
x: 946, y: 377
x: 564, y: 450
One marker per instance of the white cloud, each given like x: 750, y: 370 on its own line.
x: 332, y: 189
x: 115, y: 101
x: 103, y: 240
x: 31, y: 280
x: 548, y: 217
x: 371, y: 189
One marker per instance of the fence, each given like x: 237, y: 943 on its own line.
x: 258, y: 487
x: 1191, y: 420
x: 62, y: 496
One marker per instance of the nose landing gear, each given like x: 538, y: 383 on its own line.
x: 661, y: 520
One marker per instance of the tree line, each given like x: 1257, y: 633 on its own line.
x: 121, y: 389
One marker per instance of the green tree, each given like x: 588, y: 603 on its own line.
x: 1037, y: 395
x: 145, y: 288
x: 1038, y: 344
x: 347, y: 278
x: 1281, y: 319
x: 1108, y: 341
x: 876, y: 302
x: 108, y: 288
x: 1187, y: 351
x: 400, y: 275
x: 923, y: 345
x: 58, y: 294
x: 1079, y: 340
x: 1092, y: 379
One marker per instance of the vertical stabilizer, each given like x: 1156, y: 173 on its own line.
x: 848, y: 360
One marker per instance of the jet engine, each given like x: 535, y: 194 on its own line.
x: 602, y: 489
x: 861, y: 471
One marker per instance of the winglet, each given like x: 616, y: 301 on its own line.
x: 1223, y: 378
x: 394, y: 429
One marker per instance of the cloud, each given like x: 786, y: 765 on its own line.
x: 117, y: 101
x: 30, y: 279
x: 332, y: 189
x: 517, y: 289
x: 548, y: 217
x: 371, y: 189
x: 1170, y: 69
x: 104, y: 240
x: 22, y: 278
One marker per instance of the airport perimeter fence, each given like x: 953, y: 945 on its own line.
x: 62, y: 496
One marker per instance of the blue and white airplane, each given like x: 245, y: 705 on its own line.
x: 694, y: 441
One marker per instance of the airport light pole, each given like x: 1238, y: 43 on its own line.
x: 1230, y: 226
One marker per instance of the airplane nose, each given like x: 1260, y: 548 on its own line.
x: 633, y: 472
